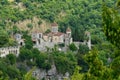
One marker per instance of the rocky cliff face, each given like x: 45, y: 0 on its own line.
x: 51, y: 74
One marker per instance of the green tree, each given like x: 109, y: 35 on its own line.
x: 48, y: 31
x: 42, y: 61
x: 111, y: 20
x: 76, y: 75
x: 64, y: 62
x: 29, y: 25
x: 3, y: 70
x: 83, y: 49
x: 12, y: 42
x: 72, y: 47
x: 35, y: 52
x: 3, y: 37
x: 97, y: 70
x: 2, y: 76
x: 28, y: 75
x: 25, y: 54
x: 13, y: 72
x: 95, y: 40
x: 15, y: 29
x: 28, y: 41
x: 11, y: 58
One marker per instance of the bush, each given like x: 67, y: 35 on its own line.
x: 29, y: 25
x: 72, y: 47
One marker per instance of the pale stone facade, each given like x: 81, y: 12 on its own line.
x: 9, y: 50
x: 88, y: 42
x: 36, y: 37
x: 13, y: 49
x: 54, y: 27
x: 54, y: 37
x: 42, y: 40
x: 18, y: 38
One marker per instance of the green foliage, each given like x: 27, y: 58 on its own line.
x: 8, y: 71
x: 3, y: 37
x: 72, y: 47
x: 2, y: 76
x: 42, y: 61
x: 13, y: 72
x: 80, y: 15
x: 76, y: 75
x: 83, y: 49
x: 111, y: 24
x: 106, y: 51
x: 25, y: 54
x: 28, y: 41
x: 11, y: 58
x: 28, y: 75
x: 64, y: 62
x: 29, y: 25
x: 62, y: 45
x: 22, y: 69
x: 115, y: 66
x: 96, y: 71
x: 95, y: 40
x: 48, y: 31
x: 33, y: 57
x: 112, y: 31
x: 94, y: 62
x: 35, y: 52
x: 39, y: 22
x: 12, y: 42
x: 15, y: 29
x: 3, y: 69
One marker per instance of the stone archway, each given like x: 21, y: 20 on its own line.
x: 21, y: 43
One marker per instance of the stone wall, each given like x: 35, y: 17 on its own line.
x: 7, y: 50
x: 44, y: 45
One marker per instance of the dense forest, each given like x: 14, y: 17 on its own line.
x: 99, y: 17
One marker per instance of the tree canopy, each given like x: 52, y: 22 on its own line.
x: 111, y: 23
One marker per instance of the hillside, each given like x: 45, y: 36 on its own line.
x: 78, y: 13
x: 24, y: 16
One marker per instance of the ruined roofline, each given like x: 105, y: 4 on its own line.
x: 10, y: 47
x: 54, y: 24
x: 68, y: 29
x: 54, y: 34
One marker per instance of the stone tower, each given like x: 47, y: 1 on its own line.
x: 37, y: 37
x: 68, y: 32
x: 54, y: 27
x: 68, y: 38
x: 88, y: 41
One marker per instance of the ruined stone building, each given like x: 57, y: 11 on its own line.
x: 9, y: 50
x: 13, y: 49
x: 88, y: 41
x: 42, y: 40
x: 19, y: 40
